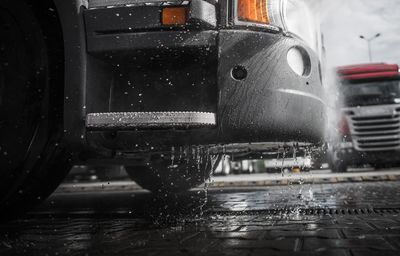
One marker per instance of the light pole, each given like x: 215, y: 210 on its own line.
x: 369, y: 40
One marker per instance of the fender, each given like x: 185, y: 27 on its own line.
x: 70, y: 13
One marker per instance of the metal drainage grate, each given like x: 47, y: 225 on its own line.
x: 310, y: 211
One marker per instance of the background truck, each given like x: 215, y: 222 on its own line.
x: 368, y: 129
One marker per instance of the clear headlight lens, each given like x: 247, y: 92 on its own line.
x: 300, y: 21
x: 293, y: 16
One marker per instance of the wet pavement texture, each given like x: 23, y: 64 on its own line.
x: 353, y: 218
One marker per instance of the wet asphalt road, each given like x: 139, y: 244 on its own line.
x: 329, y: 217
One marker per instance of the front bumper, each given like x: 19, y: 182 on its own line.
x: 349, y: 155
x: 191, y: 70
x: 271, y: 104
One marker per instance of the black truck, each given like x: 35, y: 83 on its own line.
x: 161, y: 87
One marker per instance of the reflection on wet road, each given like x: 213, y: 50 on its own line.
x: 347, y: 218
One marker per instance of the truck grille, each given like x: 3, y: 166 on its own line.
x: 376, y: 132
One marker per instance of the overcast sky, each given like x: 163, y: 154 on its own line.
x: 345, y: 20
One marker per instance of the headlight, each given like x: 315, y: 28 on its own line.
x: 293, y: 16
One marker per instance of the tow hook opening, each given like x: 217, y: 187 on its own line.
x: 239, y: 73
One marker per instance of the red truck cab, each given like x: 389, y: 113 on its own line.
x: 368, y: 130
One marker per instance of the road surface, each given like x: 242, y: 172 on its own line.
x: 320, y: 214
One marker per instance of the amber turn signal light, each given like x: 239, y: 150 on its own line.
x: 296, y: 169
x: 253, y: 11
x: 174, y: 16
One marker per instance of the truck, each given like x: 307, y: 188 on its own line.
x: 163, y: 88
x: 368, y: 126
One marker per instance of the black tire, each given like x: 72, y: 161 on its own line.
x: 339, y: 166
x: 259, y: 166
x: 31, y: 98
x: 226, y: 166
x: 166, y: 176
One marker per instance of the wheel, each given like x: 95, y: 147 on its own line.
x: 31, y: 159
x: 380, y: 166
x: 336, y: 162
x: 167, y: 175
x: 236, y: 167
x: 339, y: 166
x: 320, y: 157
x: 226, y: 165
x: 259, y: 166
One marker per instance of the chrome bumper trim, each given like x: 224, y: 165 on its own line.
x: 126, y: 120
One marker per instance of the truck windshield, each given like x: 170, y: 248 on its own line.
x: 371, y: 93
